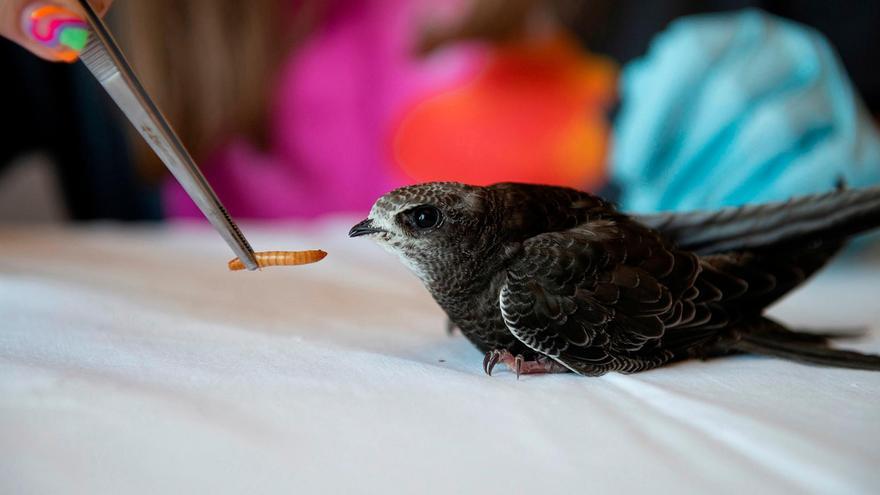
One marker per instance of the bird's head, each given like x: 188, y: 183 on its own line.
x: 453, y: 232
x: 435, y: 228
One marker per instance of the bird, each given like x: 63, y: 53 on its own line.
x: 549, y: 279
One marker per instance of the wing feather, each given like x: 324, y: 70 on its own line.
x: 611, y: 295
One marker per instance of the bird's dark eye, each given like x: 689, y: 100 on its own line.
x: 425, y: 217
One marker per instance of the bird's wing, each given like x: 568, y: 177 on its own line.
x: 829, y: 216
x: 612, y: 295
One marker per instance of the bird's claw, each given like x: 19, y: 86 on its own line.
x: 490, y: 360
x: 493, y: 357
x: 519, y: 365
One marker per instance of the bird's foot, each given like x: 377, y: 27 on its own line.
x: 519, y: 365
x: 450, y: 327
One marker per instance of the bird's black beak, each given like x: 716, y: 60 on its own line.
x: 363, y: 228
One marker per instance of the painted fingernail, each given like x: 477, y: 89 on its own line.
x: 58, y: 28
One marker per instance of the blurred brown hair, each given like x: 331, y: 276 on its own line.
x: 209, y: 64
x: 500, y: 21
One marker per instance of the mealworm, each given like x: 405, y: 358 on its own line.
x: 278, y: 258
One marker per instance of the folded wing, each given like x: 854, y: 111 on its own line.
x: 612, y: 295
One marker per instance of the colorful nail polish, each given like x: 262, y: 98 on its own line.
x: 57, y: 28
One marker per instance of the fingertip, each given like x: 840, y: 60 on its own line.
x: 100, y: 6
x: 56, y: 32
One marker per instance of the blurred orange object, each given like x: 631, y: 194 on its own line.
x: 536, y: 112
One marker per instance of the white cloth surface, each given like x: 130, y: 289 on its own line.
x: 132, y: 361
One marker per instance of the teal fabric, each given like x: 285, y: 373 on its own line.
x: 727, y: 109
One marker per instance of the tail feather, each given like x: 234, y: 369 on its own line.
x: 833, y: 215
x: 772, y: 339
x: 824, y: 356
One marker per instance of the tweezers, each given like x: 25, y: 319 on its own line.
x: 103, y: 57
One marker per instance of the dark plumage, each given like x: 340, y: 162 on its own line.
x: 553, y: 279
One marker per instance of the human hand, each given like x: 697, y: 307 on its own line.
x: 51, y: 29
